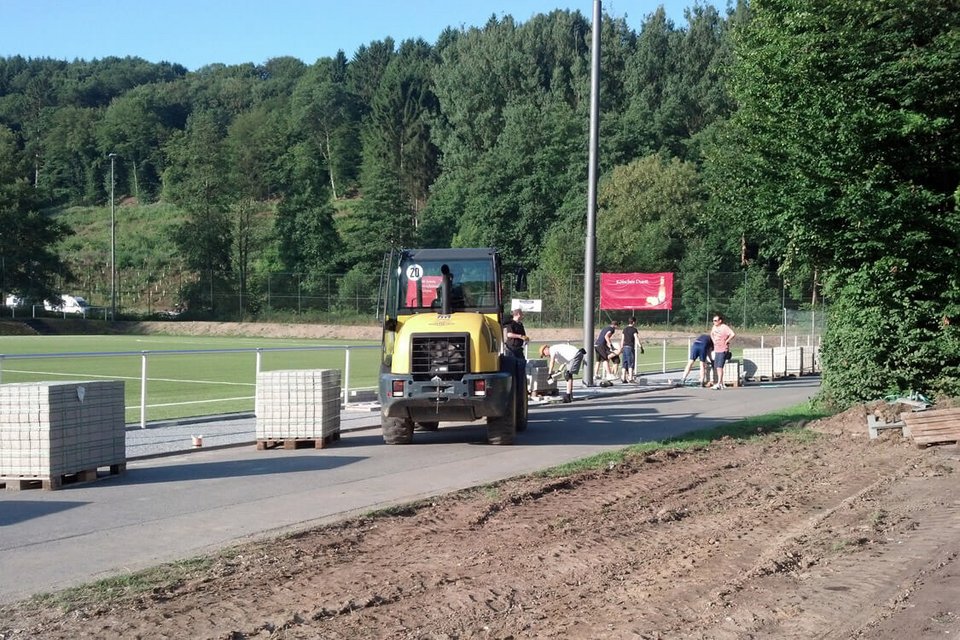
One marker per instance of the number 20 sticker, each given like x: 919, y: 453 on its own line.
x: 414, y: 272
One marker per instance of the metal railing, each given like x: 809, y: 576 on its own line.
x: 671, y: 357
x: 145, y: 357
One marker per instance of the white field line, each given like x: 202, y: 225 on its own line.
x: 252, y: 341
x: 149, y: 379
x: 177, y: 404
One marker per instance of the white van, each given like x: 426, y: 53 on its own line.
x: 70, y: 304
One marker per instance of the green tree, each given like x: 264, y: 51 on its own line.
x: 648, y: 211
x: 512, y: 131
x: 397, y: 128
x: 30, y: 266
x: 327, y: 113
x: 136, y: 126
x: 308, y: 243
x: 381, y: 221
x: 73, y: 163
x: 843, y: 158
x: 367, y: 68
x: 519, y: 188
x: 255, y: 144
x: 195, y: 181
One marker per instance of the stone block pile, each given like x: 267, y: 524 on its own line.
x: 52, y: 429
x: 538, y: 378
x: 298, y: 404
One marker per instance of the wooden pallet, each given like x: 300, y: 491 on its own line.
x: 298, y: 443
x: 932, y: 426
x: 51, y: 483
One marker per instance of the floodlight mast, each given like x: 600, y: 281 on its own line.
x: 589, y: 257
x: 113, y: 243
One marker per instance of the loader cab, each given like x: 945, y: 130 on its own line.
x: 445, y: 281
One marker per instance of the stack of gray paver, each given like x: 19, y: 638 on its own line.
x: 758, y: 363
x: 811, y: 359
x: 732, y: 373
x: 52, y: 429
x: 788, y: 361
x: 298, y: 404
x: 538, y: 378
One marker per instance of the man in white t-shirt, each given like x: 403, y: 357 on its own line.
x: 564, y: 358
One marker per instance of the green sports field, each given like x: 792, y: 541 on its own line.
x: 192, y: 384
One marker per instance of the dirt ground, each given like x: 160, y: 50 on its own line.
x: 817, y: 532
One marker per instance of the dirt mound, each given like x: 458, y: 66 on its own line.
x: 804, y: 533
x: 15, y: 328
x: 852, y: 422
x: 257, y: 329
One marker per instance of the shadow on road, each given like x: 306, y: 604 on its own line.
x: 272, y: 463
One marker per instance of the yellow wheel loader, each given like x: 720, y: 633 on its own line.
x: 442, y: 358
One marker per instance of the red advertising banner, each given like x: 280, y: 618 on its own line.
x: 642, y: 291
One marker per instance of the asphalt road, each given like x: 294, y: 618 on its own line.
x: 179, y: 506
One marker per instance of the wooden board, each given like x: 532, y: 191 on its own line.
x: 932, y: 426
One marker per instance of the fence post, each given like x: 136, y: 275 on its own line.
x: 745, y: 288
x: 1, y: 368
x: 143, y: 389
x: 346, y: 376
x: 256, y: 381
x: 663, y: 357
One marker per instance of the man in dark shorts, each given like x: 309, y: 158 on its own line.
x: 605, y: 350
x: 564, y: 358
x: 700, y: 349
x: 629, y: 348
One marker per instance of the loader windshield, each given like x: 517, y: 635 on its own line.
x: 472, y: 285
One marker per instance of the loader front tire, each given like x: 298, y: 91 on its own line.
x: 501, y: 430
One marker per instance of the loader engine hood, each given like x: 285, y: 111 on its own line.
x: 448, y: 346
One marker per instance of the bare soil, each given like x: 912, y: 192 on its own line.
x: 811, y: 532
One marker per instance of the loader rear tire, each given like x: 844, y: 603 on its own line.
x: 397, y: 430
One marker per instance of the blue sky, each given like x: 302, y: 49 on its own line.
x: 195, y: 33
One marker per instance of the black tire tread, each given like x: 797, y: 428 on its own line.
x: 397, y: 430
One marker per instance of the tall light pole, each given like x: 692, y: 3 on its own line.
x: 590, y: 248
x: 113, y: 245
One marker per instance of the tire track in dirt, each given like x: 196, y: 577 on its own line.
x: 782, y: 537
x: 839, y: 568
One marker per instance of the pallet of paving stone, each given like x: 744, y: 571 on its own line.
x: 298, y: 404
x: 53, y: 433
x: 758, y: 363
x: 298, y: 443
x: 52, y: 483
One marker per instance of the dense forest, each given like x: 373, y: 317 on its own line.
x: 807, y: 142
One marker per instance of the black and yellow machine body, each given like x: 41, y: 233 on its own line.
x: 442, y: 358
